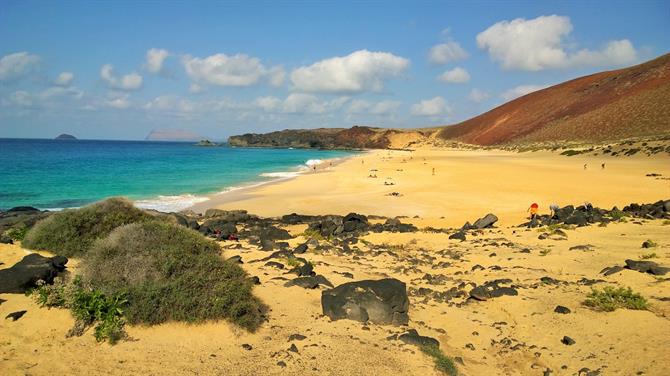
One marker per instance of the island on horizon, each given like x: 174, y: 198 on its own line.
x: 65, y: 136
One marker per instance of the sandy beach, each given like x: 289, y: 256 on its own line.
x: 509, y: 335
x: 467, y: 184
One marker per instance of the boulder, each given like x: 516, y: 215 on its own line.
x: 646, y: 267
x: 228, y: 215
x: 460, y: 235
x: 485, y: 222
x: 223, y: 228
x: 379, y: 301
x: 354, y: 222
x: 302, y: 248
x: 32, y: 268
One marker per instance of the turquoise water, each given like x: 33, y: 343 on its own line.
x: 160, y: 175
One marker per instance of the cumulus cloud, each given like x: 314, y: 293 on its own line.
x: 17, y: 65
x: 268, y: 104
x: 131, y: 81
x: 120, y: 102
x: 539, y: 44
x: 437, y: 106
x: 64, y: 79
x: 379, y: 108
x: 301, y: 103
x: 478, y: 96
x: 170, y: 103
x: 19, y: 99
x: 235, y: 70
x: 457, y: 75
x: 446, y: 52
x: 56, y: 92
x: 355, y: 73
x: 155, y: 59
x: 520, y: 91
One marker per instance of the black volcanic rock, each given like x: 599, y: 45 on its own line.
x: 382, y: 301
x: 32, y: 268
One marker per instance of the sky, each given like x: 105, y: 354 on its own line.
x: 118, y: 70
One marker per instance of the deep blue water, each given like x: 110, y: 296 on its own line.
x: 161, y: 175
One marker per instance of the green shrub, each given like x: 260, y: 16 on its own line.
x: 88, y: 306
x: 648, y: 256
x: 443, y: 363
x: 71, y: 232
x: 168, y: 272
x: 18, y: 232
x: 610, y: 298
x: 617, y: 214
x: 571, y: 152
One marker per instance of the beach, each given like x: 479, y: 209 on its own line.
x: 508, y: 335
x: 467, y: 184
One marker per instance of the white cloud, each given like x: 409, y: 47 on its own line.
x: 120, y: 102
x: 17, y: 65
x: 155, y: 59
x: 539, y: 44
x: 56, y: 92
x: 446, y: 52
x: 357, y: 72
x: 236, y: 70
x: 132, y: 81
x: 379, y: 108
x: 169, y: 103
x: 457, y: 75
x: 437, y: 106
x: 520, y: 91
x: 18, y: 98
x: 478, y: 96
x: 64, y: 79
x: 268, y: 104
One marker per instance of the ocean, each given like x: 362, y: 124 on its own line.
x: 166, y: 176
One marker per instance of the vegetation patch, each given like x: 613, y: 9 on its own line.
x: 170, y: 273
x: 648, y: 256
x: 610, y: 298
x: 72, y: 232
x: 443, y: 363
x: 88, y: 306
x: 17, y: 233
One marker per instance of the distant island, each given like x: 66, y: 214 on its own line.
x: 172, y: 135
x: 207, y: 143
x: 65, y: 136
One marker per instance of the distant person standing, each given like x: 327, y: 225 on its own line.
x: 533, y: 210
x: 433, y: 171
x: 584, y: 166
x: 602, y: 166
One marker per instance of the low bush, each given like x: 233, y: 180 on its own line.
x: 72, y: 231
x: 168, y: 272
x: 443, y: 363
x: 610, y: 298
x: 18, y: 232
x: 88, y: 306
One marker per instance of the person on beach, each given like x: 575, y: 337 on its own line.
x: 602, y: 166
x: 433, y: 171
x: 533, y: 210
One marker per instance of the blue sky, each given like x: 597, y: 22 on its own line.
x: 117, y: 70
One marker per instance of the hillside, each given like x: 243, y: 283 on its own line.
x: 356, y: 137
x: 630, y: 102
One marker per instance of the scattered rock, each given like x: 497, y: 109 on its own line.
x: 382, y: 301
x: 646, y: 267
x: 32, y: 268
x: 296, y: 337
x: 562, y: 310
x: 302, y: 248
x: 237, y: 259
x: 460, y: 235
x: 293, y: 348
x: 310, y: 282
x: 247, y: 346
x: 15, y: 315
x: 611, y: 270
x: 281, y: 364
x: 568, y: 341
x: 492, y: 289
x: 412, y: 337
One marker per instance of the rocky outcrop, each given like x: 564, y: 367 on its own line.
x: 20, y: 218
x: 24, y: 274
x: 65, y: 136
x: 382, y: 302
x: 356, y: 137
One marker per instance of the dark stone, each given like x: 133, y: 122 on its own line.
x: 646, y: 267
x: 296, y: 337
x: 247, y: 346
x: 32, y: 268
x: 267, y: 245
x: 611, y: 270
x: 219, y: 227
x: 281, y: 364
x: 458, y: 235
x: 577, y: 218
x: 234, y: 216
x: 485, y: 222
x: 568, y: 341
x: 293, y: 348
x: 492, y: 289
x: 562, y: 310
x: 306, y: 269
x: 237, y: 259
x: 275, y: 264
x: 302, y: 248
x: 382, y: 301
x: 255, y: 280
x: 647, y: 244
x: 412, y: 337
x: 274, y: 233
x: 15, y: 315
x: 310, y: 282
x: 4, y: 239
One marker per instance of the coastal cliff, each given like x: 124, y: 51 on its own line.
x: 356, y: 137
